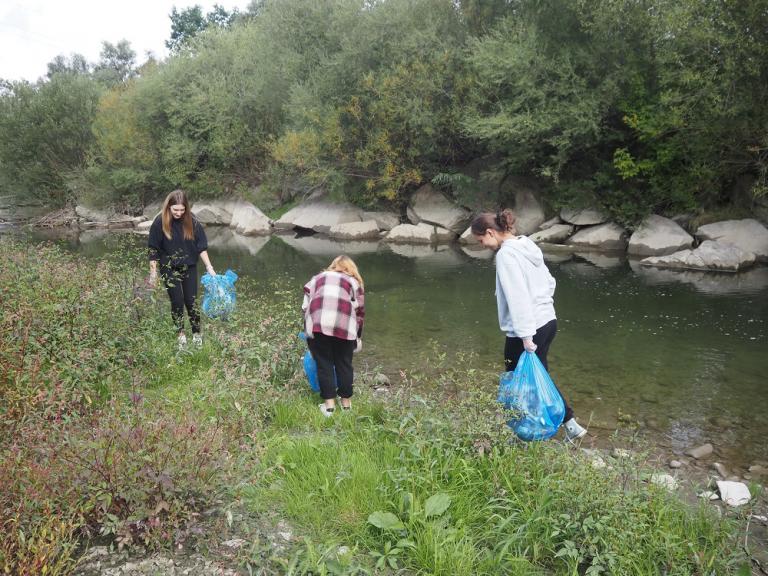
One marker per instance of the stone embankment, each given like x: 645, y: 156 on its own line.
x: 432, y: 219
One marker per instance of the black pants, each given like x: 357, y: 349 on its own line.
x: 181, y: 284
x: 330, y: 352
x: 513, y: 348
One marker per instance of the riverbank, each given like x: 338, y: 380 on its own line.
x: 115, y: 437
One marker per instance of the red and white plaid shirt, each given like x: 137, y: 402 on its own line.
x: 334, y: 305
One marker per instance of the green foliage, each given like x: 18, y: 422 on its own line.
x: 46, y: 134
x: 637, y: 107
x: 117, y: 63
x: 189, y: 22
x: 382, y: 109
x: 107, y: 430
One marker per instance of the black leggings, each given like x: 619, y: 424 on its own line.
x: 330, y: 352
x: 181, y: 284
x: 513, y: 348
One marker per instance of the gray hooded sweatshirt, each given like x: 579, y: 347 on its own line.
x: 524, y: 288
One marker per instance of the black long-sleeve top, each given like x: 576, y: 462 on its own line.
x: 177, y: 251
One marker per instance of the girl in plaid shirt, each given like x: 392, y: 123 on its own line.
x: 334, y: 307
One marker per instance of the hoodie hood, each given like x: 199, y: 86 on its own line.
x: 525, y: 247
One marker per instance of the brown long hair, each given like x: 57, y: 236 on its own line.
x: 178, y: 197
x: 502, y: 221
x: 346, y: 265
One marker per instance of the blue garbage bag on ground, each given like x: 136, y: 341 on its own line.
x: 310, y: 368
x: 219, y: 297
x: 531, y: 394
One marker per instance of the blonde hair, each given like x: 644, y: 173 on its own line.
x: 174, y: 198
x: 347, y: 266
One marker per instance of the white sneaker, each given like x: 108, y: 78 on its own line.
x: 573, y: 431
x: 327, y: 412
x: 197, y: 340
x: 182, y: 341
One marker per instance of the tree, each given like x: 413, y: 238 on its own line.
x: 75, y: 64
x: 117, y: 63
x: 188, y: 23
x: 46, y: 133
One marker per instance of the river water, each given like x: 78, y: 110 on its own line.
x: 681, y: 355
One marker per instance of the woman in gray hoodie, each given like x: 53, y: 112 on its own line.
x: 524, y: 296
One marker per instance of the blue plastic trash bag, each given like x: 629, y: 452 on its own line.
x: 310, y: 368
x: 530, y: 392
x: 219, y: 297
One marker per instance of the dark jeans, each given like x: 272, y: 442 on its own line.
x: 181, y: 284
x: 330, y: 352
x: 513, y: 349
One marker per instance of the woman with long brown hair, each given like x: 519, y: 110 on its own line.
x: 334, y: 308
x: 176, y: 240
x: 524, y: 296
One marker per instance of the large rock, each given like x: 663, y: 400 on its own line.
x: 355, y: 230
x: 319, y: 215
x: 412, y: 234
x: 432, y: 207
x: 384, y: 220
x: 658, y: 236
x: 217, y: 212
x: 608, y: 236
x: 153, y: 209
x: 551, y: 222
x: 143, y: 227
x: 733, y: 493
x: 443, y: 235
x: 748, y: 234
x: 529, y: 214
x: 249, y: 220
x: 93, y: 214
x: 710, y: 255
x: 468, y: 238
x: 556, y: 234
x: 583, y: 216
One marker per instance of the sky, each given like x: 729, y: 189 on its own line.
x: 34, y: 32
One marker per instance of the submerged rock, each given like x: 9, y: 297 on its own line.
x: 700, y: 451
x: 710, y: 255
x: 608, y: 236
x: 747, y: 234
x: 554, y: 234
x: 355, y: 230
x: 410, y: 233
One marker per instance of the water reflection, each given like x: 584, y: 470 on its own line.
x: 329, y: 248
x: 752, y: 281
x: 603, y: 259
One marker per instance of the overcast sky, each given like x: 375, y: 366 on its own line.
x: 33, y: 32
